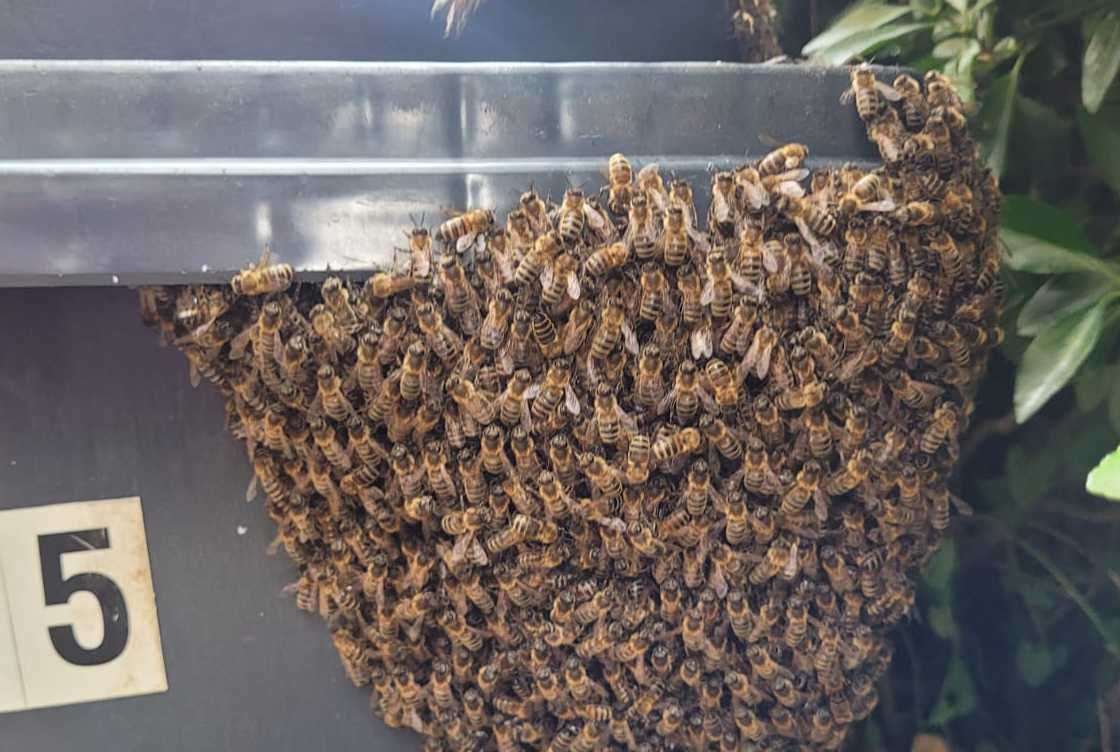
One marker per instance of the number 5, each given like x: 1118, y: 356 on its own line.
x: 114, y: 614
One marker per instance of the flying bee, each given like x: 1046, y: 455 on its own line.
x: 463, y: 229
x: 915, y: 109
x: 621, y: 178
x: 866, y: 195
x: 869, y: 93
x: 560, y: 281
x: 263, y: 278
x: 724, y: 209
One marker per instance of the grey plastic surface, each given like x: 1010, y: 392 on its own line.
x: 92, y: 408
x: 132, y: 172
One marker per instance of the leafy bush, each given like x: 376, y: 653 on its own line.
x: 1016, y: 638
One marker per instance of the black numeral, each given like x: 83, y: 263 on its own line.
x: 114, y: 614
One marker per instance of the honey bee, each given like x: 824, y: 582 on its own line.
x: 720, y: 286
x: 560, y: 281
x: 607, y: 258
x: 555, y: 388
x: 463, y: 229
x: 888, y: 133
x: 578, y: 326
x: 866, y: 195
x: 263, y: 278
x: 544, y: 251
x: 806, y: 487
x: 676, y: 445
x: 470, y: 399
x: 759, y: 355
x: 942, y: 428
x: 612, y: 330
x: 679, y: 239
x: 869, y: 93
x: 811, y: 219
x: 915, y: 109
x: 440, y: 339
x: 724, y: 387
x: 852, y: 474
x: 783, y: 159
x: 621, y: 178
x: 940, y: 92
x: 916, y: 214
x: 724, y: 209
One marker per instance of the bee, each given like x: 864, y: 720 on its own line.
x: 724, y: 209
x: 942, y: 428
x: 722, y: 438
x: 757, y: 475
x: 578, y: 326
x: 720, y: 286
x: 759, y: 355
x: 806, y: 486
x: 769, y: 421
x: 263, y: 278
x: 334, y: 402
x: 440, y: 339
x: 888, y: 133
x: 916, y: 214
x: 612, y: 330
x: 560, y: 281
x: 555, y: 388
x: 678, y: 238
x: 866, y: 195
x: 641, y: 229
x: 496, y: 324
x: 571, y: 219
x: 687, y: 396
x: 869, y: 93
x: 940, y: 92
x: 676, y: 445
x: 915, y: 109
x: 654, y: 293
x: 463, y: 229
x: 737, y: 336
x: 544, y: 251
x: 471, y: 399
x: 783, y: 159
x: 621, y: 178
x: 611, y: 422
x: 607, y: 258
x: 852, y: 474
x: 811, y: 220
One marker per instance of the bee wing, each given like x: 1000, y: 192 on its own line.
x: 526, y: 416
x: 718, y: 582
x: 961, y: 505
x: 573, y: 286
x: 699, y: 238
x: 708, y: 293
x: 629, y: 424
x: 571, y: 401
x: 701, y: 341
x: 790, y: 188
x: 762, y: 364
x: 667, y: 400
x: 772, y: 260
x: 884, y: 205
x: 707, y: 400
x: 795, y: 176
x: 195, y: 376
x: 251, y: 491
x: 547, y: 277
x: 629, y: 339
x: 820, y: 504
x: 888, y: 91
x: 791, y: 567
x: 532, y: 391
x: 757, y: 196
x: 463, y: 244
x: 238, y: 344
x: 848, y: 95
x: 505, y: 361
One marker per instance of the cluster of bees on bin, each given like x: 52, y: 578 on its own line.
x: 614, y: 473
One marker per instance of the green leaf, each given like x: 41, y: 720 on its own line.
x: 951, y: 47
x: 1102, y: 61
x: 925, y: 7
x: 856, y: 21
x: 1037, y: 662
x: 1030, y: 217
x: 864, y: 42
x: 1044, y: 239
x: 960, y: 6
x: 1092, y: 386
x: 1053, y: 357
x: 996, y: 115
x: 1059, y: 297
x: 1114, y: 406
x: 939, y: 572
x: 1044, y: 134
x: 1104, y: 479
x: 1101, y: 133
x: 958, y: 694
x: 942, y: 622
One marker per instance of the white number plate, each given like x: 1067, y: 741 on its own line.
x: 77, y: 609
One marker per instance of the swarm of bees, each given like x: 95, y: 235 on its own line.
x: 616, y: 473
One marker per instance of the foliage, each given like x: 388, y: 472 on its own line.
x: 1017, y: 633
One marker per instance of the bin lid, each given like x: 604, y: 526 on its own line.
x: 142, y: 172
